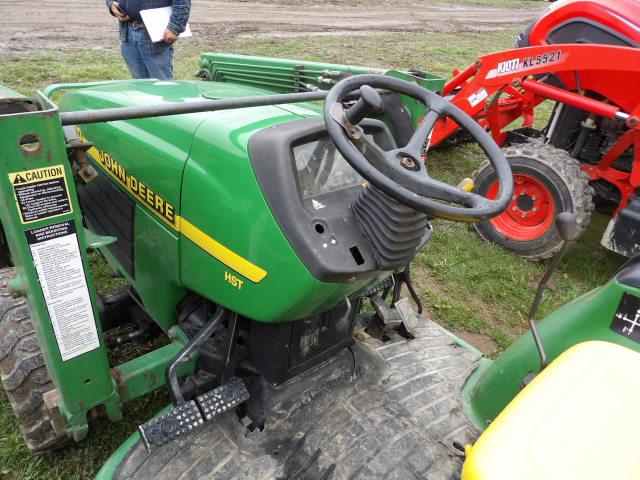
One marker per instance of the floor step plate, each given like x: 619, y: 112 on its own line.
x: 188, y: 416
x: 224, y: 398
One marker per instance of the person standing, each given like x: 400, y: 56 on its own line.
x: 144, y: 58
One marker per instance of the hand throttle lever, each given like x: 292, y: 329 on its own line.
x: 370, y: 102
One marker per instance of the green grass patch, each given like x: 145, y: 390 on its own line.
x: 80, y: 461
x: 436, y: 53
x: 106, y: 282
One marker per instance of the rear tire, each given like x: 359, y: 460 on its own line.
x: 23, y: 371
x: 547, y: 181
x: 5, y: 254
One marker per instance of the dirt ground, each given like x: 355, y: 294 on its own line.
x: 28, y: 26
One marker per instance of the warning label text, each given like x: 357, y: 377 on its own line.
x: 56, y: 255
x: 41, y: 193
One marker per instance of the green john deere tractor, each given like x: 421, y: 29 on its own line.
x: 252, y: 227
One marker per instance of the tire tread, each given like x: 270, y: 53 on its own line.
x: 23, y: 371
x: 570, y: 172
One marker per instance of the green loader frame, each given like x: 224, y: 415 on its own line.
x: 32, y: 141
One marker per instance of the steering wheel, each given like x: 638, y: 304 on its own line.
x: 400, y: 173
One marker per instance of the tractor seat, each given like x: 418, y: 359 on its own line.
x: 578, y: 419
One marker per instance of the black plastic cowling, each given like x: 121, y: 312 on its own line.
x: 394, y: 230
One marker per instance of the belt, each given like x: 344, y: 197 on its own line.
x: 137, y: 24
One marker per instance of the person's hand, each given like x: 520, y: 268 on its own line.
x: 169, y: 36
x: 115, y: 9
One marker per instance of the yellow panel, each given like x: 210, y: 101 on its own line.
x: 222, y: 253
x: 578, y: 419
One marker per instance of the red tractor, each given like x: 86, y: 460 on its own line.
x: 589, y: 151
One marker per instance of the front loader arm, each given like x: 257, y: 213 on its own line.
x: 501, y: 87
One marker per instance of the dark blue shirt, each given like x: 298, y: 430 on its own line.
x: 131, y: 8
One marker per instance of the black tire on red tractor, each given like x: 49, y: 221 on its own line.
x: 547, y: 181
x: 23, y: 372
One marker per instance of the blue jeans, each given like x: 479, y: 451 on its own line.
x: 141, y: 62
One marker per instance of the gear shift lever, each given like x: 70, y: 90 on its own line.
x: 567, y: 229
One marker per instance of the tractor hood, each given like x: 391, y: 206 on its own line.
x: 238, y: 206
x: 145, y: 147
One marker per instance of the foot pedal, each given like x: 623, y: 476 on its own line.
x: 390, y: 317
x: 169, y: 426
x: 223, y: 398
x: 409, y: 316
x: 190, y: 415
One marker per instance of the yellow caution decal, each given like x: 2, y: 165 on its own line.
x: 166, y: 212
x: 36, y: 175
x: 41, y: 193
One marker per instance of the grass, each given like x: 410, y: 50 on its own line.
x: 473, y: 288
x: 436, y: 53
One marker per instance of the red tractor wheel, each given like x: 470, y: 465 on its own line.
x: 547, y: 181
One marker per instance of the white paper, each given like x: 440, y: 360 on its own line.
x: 59, y: 265
x: 156, y: 21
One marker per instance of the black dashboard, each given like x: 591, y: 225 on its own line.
x: 310, y: 189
